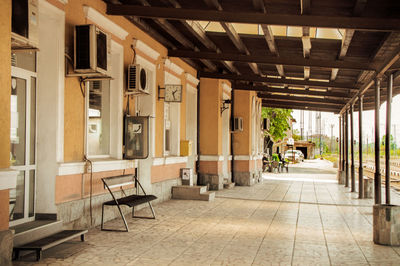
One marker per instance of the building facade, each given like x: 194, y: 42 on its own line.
x: 62, y: 131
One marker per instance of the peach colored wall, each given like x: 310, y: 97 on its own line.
x: 242, y: 108
x: 161, y: 173
x: 5, y: 82
x: 210, y: 119
x: 74, y: 117
x: 76, y: 187
x: 4, y: 208
x: 210, y: 167
x: 5, y: 86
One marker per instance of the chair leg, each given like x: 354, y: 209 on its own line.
x: 123, y: 218
x: 152, y: 210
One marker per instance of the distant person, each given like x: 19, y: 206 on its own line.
x: 264, y: 162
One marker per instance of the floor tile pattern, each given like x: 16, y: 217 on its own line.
x: 298, y: 218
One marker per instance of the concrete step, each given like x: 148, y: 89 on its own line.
x: 32, y: 231
x: 188, y: 192
x: 229, y: 185
x: 207, y: 196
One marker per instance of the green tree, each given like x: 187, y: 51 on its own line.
x: 279, y: 119
x: 392, y: 143
x: 296, y: 134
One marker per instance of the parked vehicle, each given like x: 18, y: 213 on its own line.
x: 294, y: 155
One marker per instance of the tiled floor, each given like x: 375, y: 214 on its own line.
x: 299, y: 218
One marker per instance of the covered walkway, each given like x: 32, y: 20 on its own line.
x: 300, y: 218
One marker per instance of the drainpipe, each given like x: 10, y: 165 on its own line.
x: 232, y: 134
x: 198, y: 130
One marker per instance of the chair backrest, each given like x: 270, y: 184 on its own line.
x: 118, y: 181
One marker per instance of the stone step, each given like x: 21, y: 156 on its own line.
x: 32, y: 231
x: 207, y: 196
x: 188, y: 192
x: 229, y: 185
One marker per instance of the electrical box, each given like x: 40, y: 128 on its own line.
x: 186, y: 147
x: 136, y: 137
x: 187, y: 176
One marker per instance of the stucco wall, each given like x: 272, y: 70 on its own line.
x: 74, y: 102
x: 5, y: 86
x: 210, y: 119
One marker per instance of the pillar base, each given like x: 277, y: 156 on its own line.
x: 6, y: 246
x: 247, y: 178
x: 212, y: 181
x: 368, y: 184
x: 386, y: 225
x: 341, y: 177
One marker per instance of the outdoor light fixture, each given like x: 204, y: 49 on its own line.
x: 224, y: 105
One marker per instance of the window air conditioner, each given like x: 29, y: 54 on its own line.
x: 237, y: 124
x: 91, y: 50
x: 138, y: 80
x: 24, y: 24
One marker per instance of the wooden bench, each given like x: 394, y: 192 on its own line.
x: 50, y: 241
x: 127, y: 200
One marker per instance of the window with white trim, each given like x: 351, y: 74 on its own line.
x: 172, y: 117
x: 98, y: 118
x: 104, y: 110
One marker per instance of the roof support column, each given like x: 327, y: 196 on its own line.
x: 353, y: 173
x: 387, y: 137
x: 346, y: 145
x: 377, y: 181
x: 360, y: 157
x: 340, y: 145
x: 343, y: 141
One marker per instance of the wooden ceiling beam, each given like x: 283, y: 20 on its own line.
x: 356, y: 23
x: 233, y: 35
x: 268, y: 89
x: 280, y: 81
x: 311, y: 100
x: 171, y: 30
x: 268, y: 35
x: 271, y: 60
x: 300, y: 106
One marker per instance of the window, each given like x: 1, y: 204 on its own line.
x: 98, y: 118
x: 171, y: 121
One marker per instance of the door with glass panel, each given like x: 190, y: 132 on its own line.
x: 23, y: 144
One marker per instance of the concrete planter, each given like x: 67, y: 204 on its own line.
x: 387, y: 225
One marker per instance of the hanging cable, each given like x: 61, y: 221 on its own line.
x: 90, y: 189
x: 134, y: 54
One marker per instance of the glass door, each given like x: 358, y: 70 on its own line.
x: 23, y: 145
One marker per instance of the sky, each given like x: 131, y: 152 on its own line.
x: 329, y: 119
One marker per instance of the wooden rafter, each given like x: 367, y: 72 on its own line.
x: 268, y: 35
x: 356, y: 23
x: 272, y: 60
x: 197, y: 30
x: 280, y: 81
x: 311, y: 100
x: 269, y: 89
x: 233, y: 35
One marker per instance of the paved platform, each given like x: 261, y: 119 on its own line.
x: 300, y: 218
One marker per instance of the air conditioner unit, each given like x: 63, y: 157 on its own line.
x: 237, y: 124
x: 266, y: 123
x: 24, y: 24
x: 91, y: 50
x: 138, y: 80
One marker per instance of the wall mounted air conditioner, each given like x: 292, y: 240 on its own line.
x: 91, y: 50
x: 266, y: 123
x: 138, y: 80
x: 237, y: 124
x: 24, y: 24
